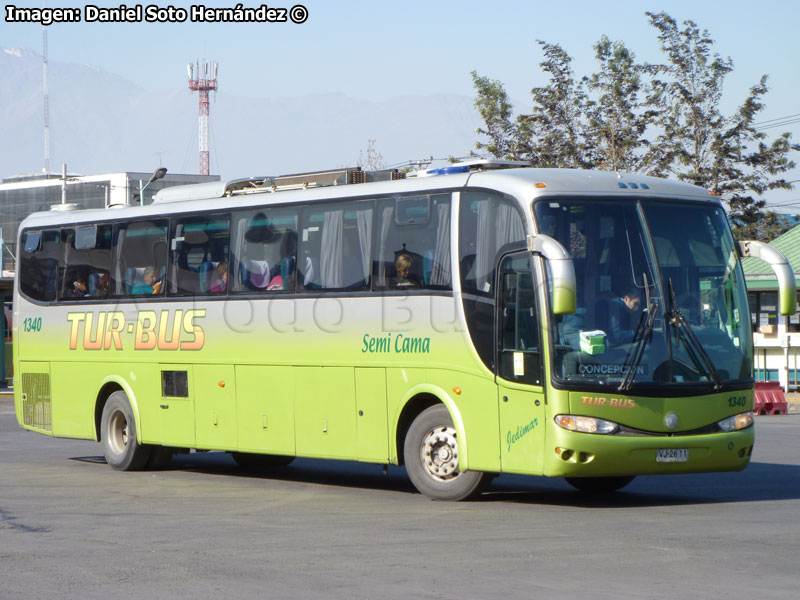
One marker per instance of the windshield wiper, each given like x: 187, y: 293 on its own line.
x: 644, y: 331
x: 695, y: 347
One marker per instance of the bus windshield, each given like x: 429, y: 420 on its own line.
x: 661, y: 296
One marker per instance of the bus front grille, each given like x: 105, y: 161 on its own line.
x: 36, y: 400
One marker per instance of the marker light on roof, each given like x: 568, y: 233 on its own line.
x: 541, y: 185
x: 448, y: 170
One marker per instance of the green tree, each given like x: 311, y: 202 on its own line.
x: 495, y: 109
x: 554, y: 133
x: 701, y: 145
x: 617, y: 115
x: 765, y: 227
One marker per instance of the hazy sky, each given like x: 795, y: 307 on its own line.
x: 380, y: 49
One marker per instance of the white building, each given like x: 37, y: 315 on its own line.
x: 22, y: 195
x: 776, y: 338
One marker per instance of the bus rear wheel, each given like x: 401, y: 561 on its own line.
x: 122, y: 450
x: 599, y: 485
x: 431, y: 455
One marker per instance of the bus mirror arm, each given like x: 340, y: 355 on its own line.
x: 562, y: 272
x: 787, y: 288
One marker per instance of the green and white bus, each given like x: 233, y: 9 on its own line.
x: 479, y: 319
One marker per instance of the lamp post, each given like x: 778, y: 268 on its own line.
x: 157, y: 174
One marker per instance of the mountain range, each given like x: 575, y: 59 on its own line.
x: 101, y: 122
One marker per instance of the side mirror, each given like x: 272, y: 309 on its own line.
x: 787, y: 288
x: 562, y: 272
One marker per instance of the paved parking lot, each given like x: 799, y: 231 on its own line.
x: 70, y: 527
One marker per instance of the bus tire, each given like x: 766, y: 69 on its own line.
x: 160, y: 457
x: 431, y: 457
x: 122, y: 450
x: 599, y: 485
x: 248, y: 460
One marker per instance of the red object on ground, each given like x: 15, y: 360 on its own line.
x: 770, y: 399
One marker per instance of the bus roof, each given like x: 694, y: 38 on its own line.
x: 524, y: 183
x: 584, y: 182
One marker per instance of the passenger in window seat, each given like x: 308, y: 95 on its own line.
x: 404, y: 277
x: 220, y: 283
x: 78, y: 289
x: 150, y: 285
x: 101, y: 290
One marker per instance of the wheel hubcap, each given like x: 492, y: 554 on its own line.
x: 118, y: 432
x: 439, y: 453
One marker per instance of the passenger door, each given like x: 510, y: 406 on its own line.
x: 519, y: 367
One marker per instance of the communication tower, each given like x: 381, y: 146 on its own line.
x: 199, y: 81
x: 46, y: 94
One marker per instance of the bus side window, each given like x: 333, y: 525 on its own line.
x: 138, y: 248
x: 487, y: 223
x: 412, y: 243
x: 199, y: 255
x: 87, y: 262
x: 265, y: 255
x: 335, y: 246
x: 40, y: 258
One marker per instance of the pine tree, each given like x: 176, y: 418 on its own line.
x: 699, y: 144
x: 765, y: 227
x: 554, y: 133
x: 495, y: 109
x: 609, y: 120
x: 618, y: 116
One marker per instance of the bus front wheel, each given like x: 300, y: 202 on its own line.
x: 599, y: 485
x: 122, y: 450
x: 160, y: 457
x: 431, y: 455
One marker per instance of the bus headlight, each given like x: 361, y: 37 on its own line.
x: 736, y: 422
x: 586, y: 424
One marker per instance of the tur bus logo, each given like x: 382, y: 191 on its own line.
x: 165, y: 330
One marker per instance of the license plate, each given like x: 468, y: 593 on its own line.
x: 667, y: 455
